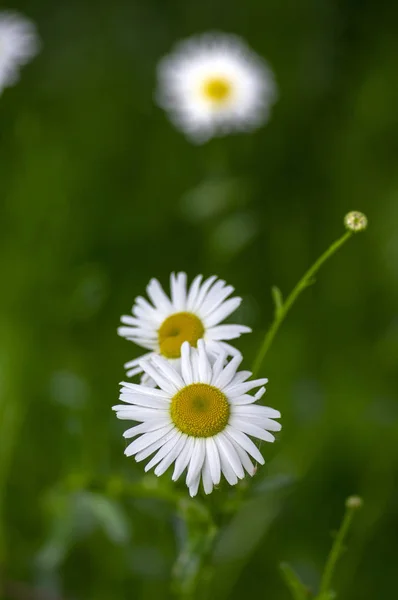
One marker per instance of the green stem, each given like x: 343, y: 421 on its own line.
x: 282, y: 310
x: 335, y: 552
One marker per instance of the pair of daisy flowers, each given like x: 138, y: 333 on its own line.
x: 193, y: 408
x: 210, y: 85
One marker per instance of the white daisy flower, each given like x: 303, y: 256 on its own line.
x: 188, y: 316
x: 200, y: 418
x: 18, y: 44
x: 213, y: 84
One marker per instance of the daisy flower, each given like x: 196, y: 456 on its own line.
x: 213, y: 84
x: 188, y: 316
x: 200, y: 418
x: 18, y: 44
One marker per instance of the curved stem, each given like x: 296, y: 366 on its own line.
x: 335, y: 552
x: 283, y: 308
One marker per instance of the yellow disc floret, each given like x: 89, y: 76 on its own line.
x: 217, y: 89
x: 177, y: 329
x: 200, y: 410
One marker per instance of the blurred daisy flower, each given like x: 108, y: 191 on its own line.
x: 191, y: 314
x: 213, y: 84
x: 199, y: 418
x: 18, y: 44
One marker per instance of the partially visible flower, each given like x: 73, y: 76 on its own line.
x: 213, y: 84
x: 18, y: 44
x: 355, y: 221
x: 200, y: 418
x: 188, y: 316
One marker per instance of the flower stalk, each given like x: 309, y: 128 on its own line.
x: 282, y: 308
x: 352, y: 504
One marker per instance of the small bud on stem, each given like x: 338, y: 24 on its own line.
x: 355, y: 221
x: 354, y: 502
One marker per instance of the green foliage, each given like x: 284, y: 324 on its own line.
x: 98, y: 193
x: 293, y: 582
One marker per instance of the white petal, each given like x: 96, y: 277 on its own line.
x: 222, y: 312
x: 145, y: 427
x: 195, y: 365
x: 186, y: 367
x: 137, y: 330
x: 132, y: 321
x: 144, y: 310
x: 194, y: 487
x: 135, y: 361
x: 168, y: 371
x: 241, y: 400
x: 241, y: 377
x: 205, y: 370
x: 193, y: 292
x: 243, y: 456
x: 147, y: 344
x: 162, y: 382
x: 158, y: 296
x: 226, y: 332
x: 183, y: 459
x: 171, y: 456
x: 242, y: 388
x: 178, y: 284
x: 145, y: 400
x: 228, y: 373
x: 218, y: 293
x: 155, y: 446
x: 143, y: 389
x: 134, y: 371
x: 202, y: 292
x: 260, y: 393
x: 138, y: 413
x: 228, y: 349
x: 163, y: 451
x: 214, y: 460
x: 231, y: 455
x: 250, y: 429
x: 218, y: 366
x: 264, y: 423
x: 196, y: 462
x: 206, y: 477
x: 134, y: 332
x: 146, y: 440
x: 226, y: 468
x: 246, y: 443
x: 256, y: 410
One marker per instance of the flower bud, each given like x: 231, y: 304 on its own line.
x: 355, y: 221
x: 354, y: 502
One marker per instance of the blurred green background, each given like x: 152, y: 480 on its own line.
x: 98, y: 193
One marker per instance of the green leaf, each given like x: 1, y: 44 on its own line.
x: 109, y: 516
x: 278, y: 299
x: 293, y: 582
x: 74, y: 516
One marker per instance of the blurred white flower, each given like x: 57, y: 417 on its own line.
x: 199, y: 418
x: 190, y: 314
x: 18, y: 44
x: 213, y: 84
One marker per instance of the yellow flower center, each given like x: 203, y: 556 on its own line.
x: 217, y: 89
x: 177, y: 329
x: 200, y: 410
